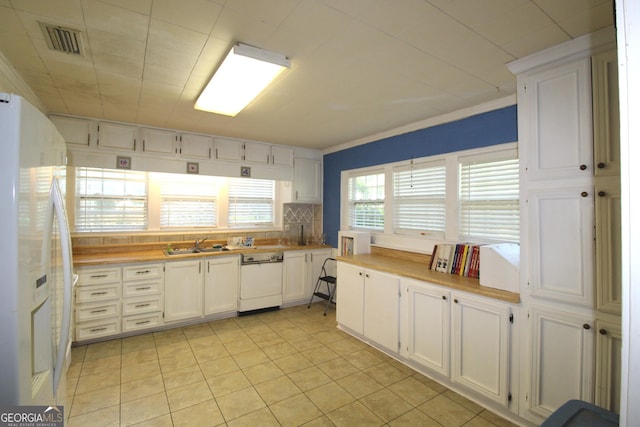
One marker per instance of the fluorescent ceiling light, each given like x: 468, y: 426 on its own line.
x: 243, y: 74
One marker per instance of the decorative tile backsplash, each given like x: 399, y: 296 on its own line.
x: 302, y: 216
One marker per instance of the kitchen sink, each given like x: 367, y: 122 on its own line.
x: 193, y: 251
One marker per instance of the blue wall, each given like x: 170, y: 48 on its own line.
x: 482, y: 130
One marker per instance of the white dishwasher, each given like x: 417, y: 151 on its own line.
x: 260, y: 281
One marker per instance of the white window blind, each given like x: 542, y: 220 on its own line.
x: 251, y: 202
x: 110, y: 200
x: 187, y: 200
x: 489, y: 200
x: 366, y: 201
x: 419, y: 198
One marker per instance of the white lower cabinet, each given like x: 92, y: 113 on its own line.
x: 97, y: 302
x: 142, y: 296
x: 480, y: 341
x: 183, y: 290
x: 608, y: 365
x: 295, y: 285
x: 429, y: 323
x: 369, y: 304
x: 562, y: 359
x: 221, y: 284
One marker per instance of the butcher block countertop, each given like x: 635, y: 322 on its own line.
x: 119, y: 254
x: 410, y: 265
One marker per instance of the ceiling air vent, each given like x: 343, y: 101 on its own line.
x: 62, y: 39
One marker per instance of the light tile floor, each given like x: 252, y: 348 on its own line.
x: 282, y: 368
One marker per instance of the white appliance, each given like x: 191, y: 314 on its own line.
x: 260, y: 281
x: 36, y: 276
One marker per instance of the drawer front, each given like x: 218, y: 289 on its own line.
x: 95, y: 311
x: 141, y: 305
x: 97, y: 276
x: 96, y: 329
x: 142, y: 288
x: 97, y: 293
x: 135, y: 323
x: 149, y: 271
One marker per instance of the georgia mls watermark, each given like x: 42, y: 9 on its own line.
x: 31, y: 416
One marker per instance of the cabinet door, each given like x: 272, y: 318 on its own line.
x: 221, y: 285
x: 74, y: 131
x: 608, y: 365
x: 182, y: 290
x: 228, y: 149
x: 294, y: 284
x: 281, y: 156
x: 157, y: 141
x: 306, y: 180
x: 608, y: 246
x: 480, y: 345
x: 562, y: 359
x: 255, y: 152
x: 382, y: 309
x: 428, y: 325
x: 606, y: 114
x: 556, y: 121
x: 350, y: 301
x: 117, y: 137
x: 562, y: 249
x: 195, y: 146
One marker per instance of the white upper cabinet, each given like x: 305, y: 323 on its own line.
x: 281, y: 156
x: 608, y: 246
x: 606, y: 114
x: 555, y: 119
x: 561, y: 244
x: 74, y: 131
x: 307, y: 180
x: 195, y: 146
x: 157, y: 141
x: 256, y: 152
x: 228, y: 149
x: 117, y: 136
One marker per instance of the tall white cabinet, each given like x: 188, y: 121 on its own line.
x: 570, y: 216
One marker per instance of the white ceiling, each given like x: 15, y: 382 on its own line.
x: 358, y: 67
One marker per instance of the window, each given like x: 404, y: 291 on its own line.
x: 366, y: 201
x: 251, y: 202
x: 419, y: 198
x: 110, y: 200
x: 489, y: 199
x: 187, y: 200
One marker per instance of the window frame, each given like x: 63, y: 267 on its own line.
x: 347, y: 211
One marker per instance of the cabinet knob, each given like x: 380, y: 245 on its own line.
x: 586, y: 326
x: 366, y: 275
x: 601, y: 193
x: 603, y: 331
x: 584, y: 194
x: 601, y: 165
x: 360, y: 273
x: 455, y: 300
x: 583, y: 167
x: 444, y: 297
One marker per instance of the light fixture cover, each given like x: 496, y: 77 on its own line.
x: 244, y: 73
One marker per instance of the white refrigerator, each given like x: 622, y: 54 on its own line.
x: 36, y: 273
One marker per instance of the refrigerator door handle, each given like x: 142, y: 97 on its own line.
x: 57, y: 204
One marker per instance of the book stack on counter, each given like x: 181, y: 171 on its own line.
x: 462, y: 259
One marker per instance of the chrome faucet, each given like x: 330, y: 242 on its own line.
x: 198, y: 242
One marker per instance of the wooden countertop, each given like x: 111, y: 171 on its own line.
x: 420, y: 271
x: 124, y: 255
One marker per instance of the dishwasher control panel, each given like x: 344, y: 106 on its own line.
x: 261, y: 258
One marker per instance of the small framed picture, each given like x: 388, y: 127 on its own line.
x: 193, y: 167
x: 123, y: 162
x: 245, y: 171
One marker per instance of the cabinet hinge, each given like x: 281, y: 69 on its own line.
x: 509, y: 397
x: 511, y: 318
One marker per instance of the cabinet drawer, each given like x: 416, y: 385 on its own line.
x: 98, y: 328
x: 141, y: 288
x: 134, y: 323
x: 97, y: 311
x: 98, y: 276
x: 97, y: 293
x: 141, y: 305
x: 142, y: 272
